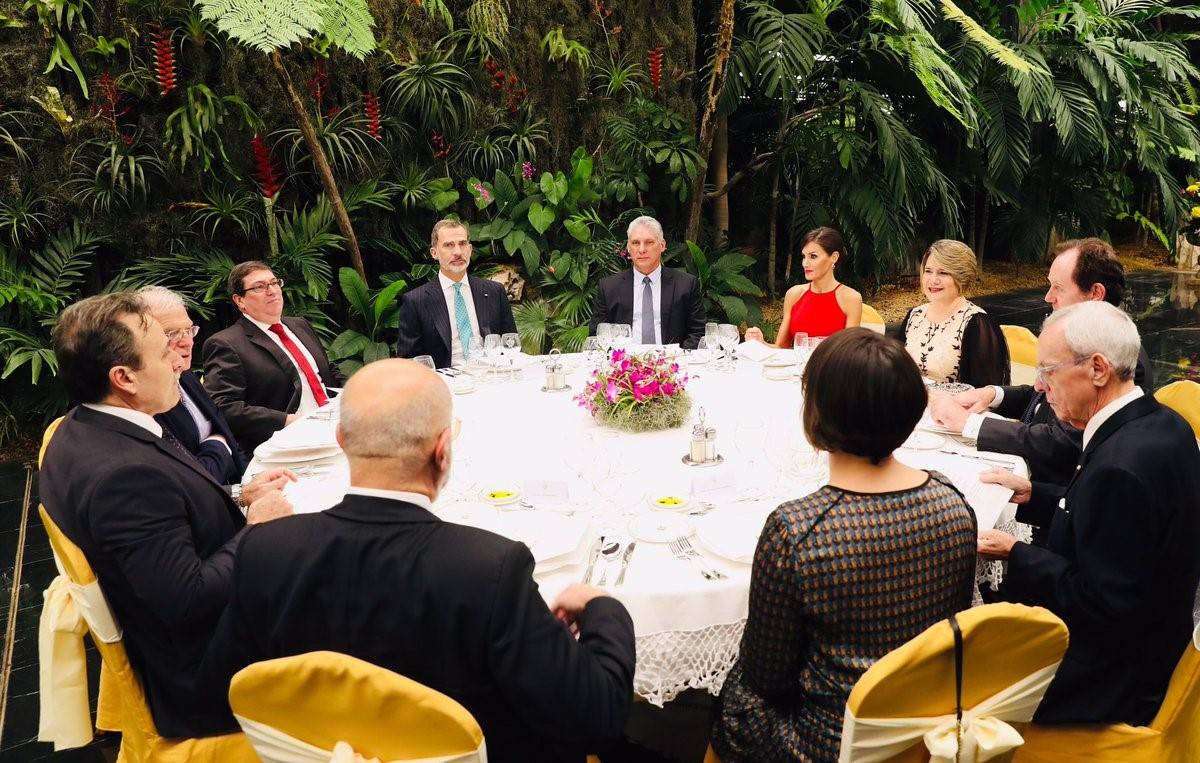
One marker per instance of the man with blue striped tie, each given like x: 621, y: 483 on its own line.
x: 439, y: 318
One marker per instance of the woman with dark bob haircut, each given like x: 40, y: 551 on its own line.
x: 846, y: 574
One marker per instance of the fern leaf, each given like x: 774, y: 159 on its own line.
x: 349, y: 24
x: 268, y: 25
x: 977, y: 34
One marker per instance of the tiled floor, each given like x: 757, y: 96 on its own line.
x: 1166, y: 307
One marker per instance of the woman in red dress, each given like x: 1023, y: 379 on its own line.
x: 822, y: 306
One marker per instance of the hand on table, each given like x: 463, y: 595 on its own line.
x: 995, y: 544
x: 264, y: 482
x: 754, y: 333
x: 571, y: 602
x: 976, y: 400
x: 1021, y: 487
x: 270, y: 506
x: 946, y: 411
x: 291, y: 417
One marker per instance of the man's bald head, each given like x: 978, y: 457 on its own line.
x: 395, y: 410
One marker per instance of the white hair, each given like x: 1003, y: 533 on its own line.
x: 645, y: 221
x: 160, y: 298
x: 1094, y: 327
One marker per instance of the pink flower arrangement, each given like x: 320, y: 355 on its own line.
x: 627, y: 384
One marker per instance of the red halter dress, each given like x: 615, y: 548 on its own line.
x: 816, y: 314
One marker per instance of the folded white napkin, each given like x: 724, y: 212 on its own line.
x: 755, y: 350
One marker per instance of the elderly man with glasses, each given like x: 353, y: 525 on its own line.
x: 266, y: 370
x: 1120, y: 565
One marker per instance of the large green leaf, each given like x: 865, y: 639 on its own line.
x: 347, y: 344
x: 734, y: 307
x: 578, y: 229
x: 513, y: 241
x: 530, y: 255
x: 355, y: 291
x: 385, y: 301
x: 540, y: 217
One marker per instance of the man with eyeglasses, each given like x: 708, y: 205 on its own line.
x: 266, y: 370
x: 195, y: 425
x: 1119, y: 565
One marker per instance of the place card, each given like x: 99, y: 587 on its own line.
x: 539, y: 492
x: 716, y: 485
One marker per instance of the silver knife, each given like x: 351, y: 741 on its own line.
x: 595, y: 552
x: 625, y: 562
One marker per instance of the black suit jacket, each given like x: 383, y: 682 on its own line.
x: 1050, y: 446
x: 224, y: 464
x: 159, y: 533
x: 681, y: 302
x: 425, y: 321
x: 253, y: 380
x: 452, y: 607
x: 1120, y: 567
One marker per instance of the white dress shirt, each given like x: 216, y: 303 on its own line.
x: 656, y: 291
x: 143, y: 420
x: 456, y: 354
x: 417, y: 499
x: 1106, y: 413
x: 308, y: 402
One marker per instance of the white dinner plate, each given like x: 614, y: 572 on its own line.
x: 659, y: 527
x: 919, y: 440
x: 298, y: 456
x: 731, y: 534
x: 551, y: 538
x: 781, y: 359
x: 304, y: 434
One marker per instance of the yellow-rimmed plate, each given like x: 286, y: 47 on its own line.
x: 500, y: 496
x: 675, y: 501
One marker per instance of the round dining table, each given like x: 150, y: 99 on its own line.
x: 672, y: 541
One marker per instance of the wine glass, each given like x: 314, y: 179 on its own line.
x: 604, y: 332
x: 511, y: 348
x: 427, y: 361
x: 749, y: 438
x: 622, y: 335
x: 800, y: 352
x: 711, y: 329
x: 474, y: 360
x: 729, y: 338
x: 491, y: 353
x: 593, y: 348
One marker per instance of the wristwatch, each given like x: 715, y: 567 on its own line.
x: 235, y: 492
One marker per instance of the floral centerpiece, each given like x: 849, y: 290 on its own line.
x: 637, y: 393
x: 1191, y: 227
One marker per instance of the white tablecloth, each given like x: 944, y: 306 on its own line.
x: 687, y: 628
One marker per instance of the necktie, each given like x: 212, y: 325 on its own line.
x: 306, y: 370
x: 1031, y: 409
x: 462, y: 319
x: 647, y: 312
x: 175, y: 443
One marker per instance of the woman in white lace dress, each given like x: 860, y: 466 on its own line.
x: 951, y: 338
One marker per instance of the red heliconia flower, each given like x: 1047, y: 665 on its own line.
x: 269, y: 179
x: 371, y: 109
x: 441, y: 149
x: 164, y: 59
x: 656, y: 62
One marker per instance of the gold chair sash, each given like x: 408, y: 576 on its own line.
x: 69, y: 610
x: 274, y: 746
x: 986, y: 732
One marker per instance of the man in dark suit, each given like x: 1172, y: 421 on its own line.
x: 663, y: 305
x: 157, y: 529
x: 265, y: 371
x: 1120, y: 566
x: 1081, y: 271
x: 439, y: 318
x: 381, y: 578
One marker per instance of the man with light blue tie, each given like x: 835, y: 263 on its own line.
x: 664, y: 305
x: 440, y: 317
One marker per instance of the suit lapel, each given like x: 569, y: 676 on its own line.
x: 435, y: 304
x: 256, y: 337
x: 625, y: 298
x: 1143, y: 406
x: 483, y: 305
x: 666, y: 300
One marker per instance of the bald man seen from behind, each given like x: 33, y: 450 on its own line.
x: 381, y: 578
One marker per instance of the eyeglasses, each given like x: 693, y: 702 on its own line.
x: 174, y: 335
x: 1043, y: 372
x: 260, y: 288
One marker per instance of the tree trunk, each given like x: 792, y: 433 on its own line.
x: 773, y: 236
x: 272, y: 234
x: 791, y: 255
x: 720, y: 178
x: 322, y: 163
x: 716, y: 82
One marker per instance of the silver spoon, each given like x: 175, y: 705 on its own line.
x: 608, y: 553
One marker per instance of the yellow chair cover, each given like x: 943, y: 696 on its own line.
x: 311, y: 706
x: 75, y: 605
x: 903, y: 707
x: 1172, y: 737
x: 871, y: 319
x: 1183, y: 397
x: 1022, y: 353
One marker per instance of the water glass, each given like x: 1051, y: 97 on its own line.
x: 427, y: 361
x: 622, y: 335
x: 593, y: 348
x: 750, y: 437
x: 729, y: 337
x: 800, y: 352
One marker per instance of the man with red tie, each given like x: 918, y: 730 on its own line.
x: 265, y: 370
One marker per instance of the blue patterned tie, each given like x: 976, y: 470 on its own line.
x: 462, y: 319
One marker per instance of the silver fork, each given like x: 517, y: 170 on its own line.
x: 681, y: 548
